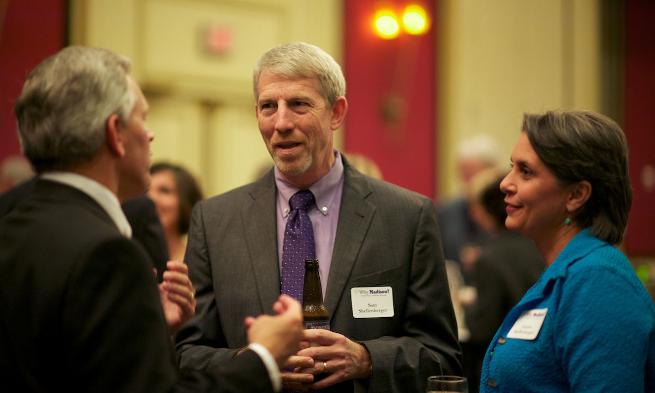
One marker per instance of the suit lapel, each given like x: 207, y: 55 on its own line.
x: 354, y: 219
x: 259, y: 226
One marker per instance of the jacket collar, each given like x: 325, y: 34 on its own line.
x: 580, y: 246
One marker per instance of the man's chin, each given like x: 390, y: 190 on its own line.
x: 291, y: 168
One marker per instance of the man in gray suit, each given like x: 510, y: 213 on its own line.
x: 378, y: 246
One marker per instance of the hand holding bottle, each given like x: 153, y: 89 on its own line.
x: 336, y: 357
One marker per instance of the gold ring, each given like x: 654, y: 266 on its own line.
x: 325, y: 369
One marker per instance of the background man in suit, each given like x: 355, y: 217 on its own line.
x: 369, y: 235
x: 79, y: 308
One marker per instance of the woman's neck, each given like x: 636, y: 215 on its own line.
x: 176, y: 245
x: 551, y: 246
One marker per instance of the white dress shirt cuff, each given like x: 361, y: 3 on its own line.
x: 269, y: 362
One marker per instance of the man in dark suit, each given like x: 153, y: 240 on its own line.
x: 378, y: 246
x: 79, y: 308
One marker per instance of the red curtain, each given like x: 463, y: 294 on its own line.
x: 640, y: 123
x: 391, y: 92
x: 30, y: 30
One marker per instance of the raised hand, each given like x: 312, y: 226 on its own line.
x: 177, y: 295
x: 280, y: 334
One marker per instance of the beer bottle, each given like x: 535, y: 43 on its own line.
x: 314, y: 312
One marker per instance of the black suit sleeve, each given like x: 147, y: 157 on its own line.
x: 115, y: 324
x: 119, y: 341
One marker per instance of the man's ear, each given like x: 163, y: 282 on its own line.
x: 339, y: 110
x: 578, y: 196
x: 114, y: 136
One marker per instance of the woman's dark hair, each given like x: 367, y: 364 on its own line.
x: 188, y: 191
x: 581, y: 145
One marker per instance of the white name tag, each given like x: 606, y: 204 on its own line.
x: 372, y: 302
x: 528, y: 325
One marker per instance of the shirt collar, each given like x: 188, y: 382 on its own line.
x: 99, y: 193
x: 323, y: 189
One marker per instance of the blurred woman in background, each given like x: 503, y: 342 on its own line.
x: 588, y: 324
x: 175, y: 191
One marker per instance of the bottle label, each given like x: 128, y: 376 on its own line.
x: 317, y: 325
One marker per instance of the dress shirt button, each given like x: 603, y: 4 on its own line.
x: 492, y: 383
x: 501, y: 340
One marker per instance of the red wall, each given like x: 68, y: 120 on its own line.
x: 640, y: 121
x: 30, y: 31
x: 403, y: 68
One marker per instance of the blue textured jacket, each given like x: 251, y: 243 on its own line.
x: 598, y: 334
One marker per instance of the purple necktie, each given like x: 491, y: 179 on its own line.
x: 298, y: 244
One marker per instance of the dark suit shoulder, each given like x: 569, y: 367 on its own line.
x: 59, y: 219
x: 238, y: 196
x: 11, y: 198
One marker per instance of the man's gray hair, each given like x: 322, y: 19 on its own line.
x: 302, y: 60
x: 65, y: 103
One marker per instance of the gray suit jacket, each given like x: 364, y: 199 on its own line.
x: 386, y: 236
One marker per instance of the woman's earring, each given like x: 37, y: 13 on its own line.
x: 567, y: 221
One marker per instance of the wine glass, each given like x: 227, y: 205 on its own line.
x: 447, y: 384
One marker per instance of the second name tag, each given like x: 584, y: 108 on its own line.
x: 528, y: 325
x: 372, y: 302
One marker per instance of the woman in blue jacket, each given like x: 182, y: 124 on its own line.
x: 588, y: 324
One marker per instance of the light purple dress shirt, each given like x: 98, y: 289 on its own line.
x: 324, y: 216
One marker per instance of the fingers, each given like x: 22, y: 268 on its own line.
x: 295, y: 380
x: 290, y: 310
x: 249, y: 321
x: 321, y: 337
x: 296, y: 362
x: 287, y: 305
x: 187, y: 304
x: 330, y: 380
x: 177, y: 283
x: 303, y: 345
x: 279, y: 308
x: 320, y: 367
x: 178, y: 278
x: 182, y: 295
x: 337, y: 358
x: 279, y: 334
x: 184, y: 290
x: 178, y: 289
x: 177, y: 266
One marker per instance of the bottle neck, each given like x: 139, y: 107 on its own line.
x: 312, y: 292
